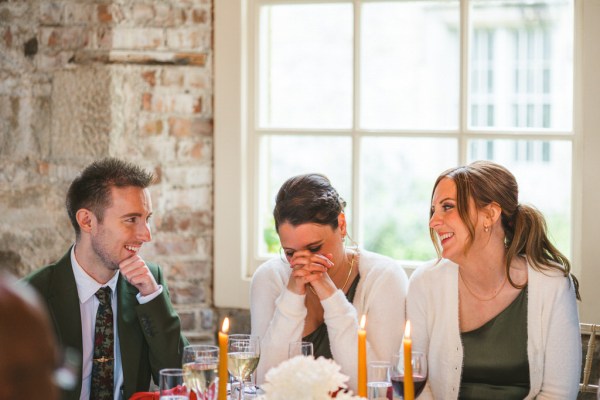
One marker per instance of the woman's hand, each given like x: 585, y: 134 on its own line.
x: 311, y: 268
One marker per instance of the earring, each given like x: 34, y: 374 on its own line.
x: 486, y: 228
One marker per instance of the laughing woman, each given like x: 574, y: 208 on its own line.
x: 497, y: 313
x: 321, y: 289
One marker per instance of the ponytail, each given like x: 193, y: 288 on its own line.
x: 526, y: 235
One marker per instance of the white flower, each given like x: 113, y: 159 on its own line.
x: 304, y: 378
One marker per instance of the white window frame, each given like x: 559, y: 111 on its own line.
x: 235, y: 176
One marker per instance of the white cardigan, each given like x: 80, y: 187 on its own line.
x: 278, y: 314
x: 553, y: 343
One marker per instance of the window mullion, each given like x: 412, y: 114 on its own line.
x: 464, y: 81
x: 356, y: 167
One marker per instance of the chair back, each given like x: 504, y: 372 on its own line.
x: 591, y: 369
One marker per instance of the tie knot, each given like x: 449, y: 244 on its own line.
x: 103, y: 295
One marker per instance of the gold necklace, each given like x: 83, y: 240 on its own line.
x: 477, y: 297
x: 347, y: 277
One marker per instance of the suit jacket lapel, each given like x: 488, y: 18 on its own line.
x: 63, y: 304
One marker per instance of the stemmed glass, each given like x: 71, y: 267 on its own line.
x: 243, y: 353
x: 201, y: 364
x: 419, y: 372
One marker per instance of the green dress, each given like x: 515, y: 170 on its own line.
x: 495, y: 364
x: 319, y: 337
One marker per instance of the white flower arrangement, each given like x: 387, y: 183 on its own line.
x: 306, y: 378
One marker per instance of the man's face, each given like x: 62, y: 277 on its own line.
x: 124, y: 227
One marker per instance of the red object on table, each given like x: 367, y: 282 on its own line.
x: 153, y: 396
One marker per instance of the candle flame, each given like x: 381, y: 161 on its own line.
x: 407, y: 330
x: 225, y: 327
x: 363, y: 320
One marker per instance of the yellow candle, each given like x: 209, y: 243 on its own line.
x: 362, y: 359
x: 409, y: 388
x: 223, y: 373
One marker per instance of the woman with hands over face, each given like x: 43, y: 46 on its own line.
x: 320, y: 288
x: 496, y: 314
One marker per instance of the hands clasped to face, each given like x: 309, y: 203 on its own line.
x: 310, y: 268
x: 312, y: 251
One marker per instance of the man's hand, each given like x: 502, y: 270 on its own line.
x: 136, y: 272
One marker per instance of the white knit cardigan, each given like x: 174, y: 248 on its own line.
x: 553, y: 343
x: 277, y: 314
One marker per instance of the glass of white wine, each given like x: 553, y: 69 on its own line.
x: 200, y: 365
x: 243, y: 353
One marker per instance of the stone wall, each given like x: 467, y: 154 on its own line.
x: 81, y: 80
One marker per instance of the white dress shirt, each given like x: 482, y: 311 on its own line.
x: 88, y: 306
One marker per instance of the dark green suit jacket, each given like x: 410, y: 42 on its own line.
x: 149, y: 334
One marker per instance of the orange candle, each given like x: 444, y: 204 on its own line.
x: 409, y: 388
x: 223, y: 373
x: 362, y: 359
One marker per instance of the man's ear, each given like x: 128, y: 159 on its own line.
x: 85, y: 219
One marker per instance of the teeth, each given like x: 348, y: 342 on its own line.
x: 131, y: 248
x: 446, y: 236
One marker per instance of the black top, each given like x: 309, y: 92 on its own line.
x: 319, y: 337
x: 495, y: 356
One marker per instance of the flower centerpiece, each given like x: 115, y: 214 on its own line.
x: 306, y: 378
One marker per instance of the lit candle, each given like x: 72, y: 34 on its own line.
x: 409, y: 388
x: 362, y: 358
x: 223, y: 373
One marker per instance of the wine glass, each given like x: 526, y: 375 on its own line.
x: 243, y: 353
x: 171, y: 384
x: 201, y: 364
x: 419, y: 372
x: 300, y: 349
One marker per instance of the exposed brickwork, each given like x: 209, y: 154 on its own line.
x: 130, y: 78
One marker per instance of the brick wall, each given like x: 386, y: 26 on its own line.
x: 80, y: 80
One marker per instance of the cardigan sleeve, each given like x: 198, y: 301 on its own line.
x: 277, y: 317
x: 562, y: 352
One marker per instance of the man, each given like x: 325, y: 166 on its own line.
x: 28, y: 353
x: 127, y: 333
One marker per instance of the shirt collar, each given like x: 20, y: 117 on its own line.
x: 86, y: 285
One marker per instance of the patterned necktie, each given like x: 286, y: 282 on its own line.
x: 103, y: 365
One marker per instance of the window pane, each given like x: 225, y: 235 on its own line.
x: 521, y: 64
x: 543, y: 172
x: 403, y: 45
x: 285, y: 156
x: 396, y: 182
x: 305, y: 66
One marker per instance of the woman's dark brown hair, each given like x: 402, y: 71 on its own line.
x: 524, y: 226
x: 308, y: 198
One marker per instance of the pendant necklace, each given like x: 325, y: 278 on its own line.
x: 476, y: 296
